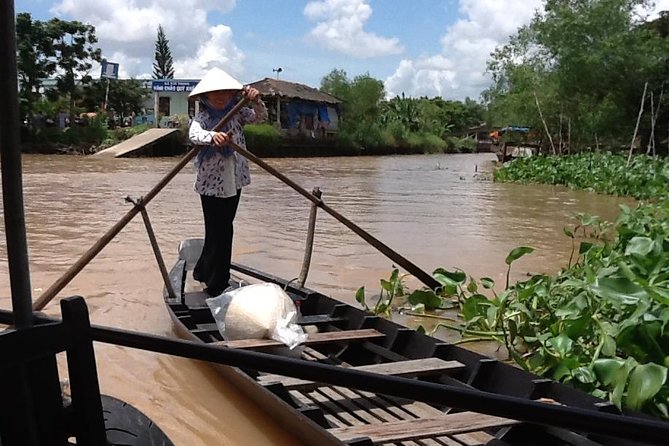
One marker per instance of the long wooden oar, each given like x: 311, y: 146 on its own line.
x: 421, y: 275
x: 89, y: 255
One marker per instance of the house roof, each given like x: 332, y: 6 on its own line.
x: 292, y: 90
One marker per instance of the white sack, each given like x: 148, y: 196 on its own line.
x: 258, y: 311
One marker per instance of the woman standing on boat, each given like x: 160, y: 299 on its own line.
x: 220, y: 171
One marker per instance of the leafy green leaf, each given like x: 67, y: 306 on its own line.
x: 644, y: 382
x: 620, y: 290
x: 476, y: 305
x: 360, y: 297
x: 426, y: 298
x: 640, y: 246
x: 584, y: 375
x: 562, y: 344
x: 584, y: 247
x: 487, y: 283
x: 458, y: 277
x: 517, y: 253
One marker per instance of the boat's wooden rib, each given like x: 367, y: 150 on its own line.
x: 410, y: 368
x: 342, y: 335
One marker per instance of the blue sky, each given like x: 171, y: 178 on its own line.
x: 418, y: 47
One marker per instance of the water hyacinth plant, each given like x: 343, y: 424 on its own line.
x: 600, y: 324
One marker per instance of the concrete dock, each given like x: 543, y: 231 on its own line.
x: 136, y: 143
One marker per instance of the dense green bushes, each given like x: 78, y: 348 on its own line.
x: 262, y: 136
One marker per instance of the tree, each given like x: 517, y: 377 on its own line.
x: 162, y: 67
x: 587, y: 62
x: 73, y: 45
x: 125, y: 96
x: 34, y: 61
x: 337, y: 84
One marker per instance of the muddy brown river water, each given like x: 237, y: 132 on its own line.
x: 435, y: 210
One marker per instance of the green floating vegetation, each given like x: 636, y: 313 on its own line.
x: 602, y: 323
x: 644, y: 178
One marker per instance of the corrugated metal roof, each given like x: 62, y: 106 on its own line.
x: 292, y: 90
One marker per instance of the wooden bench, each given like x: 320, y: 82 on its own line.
x: 328, y: 337
x: 410, y: 368
x: 407, y: 430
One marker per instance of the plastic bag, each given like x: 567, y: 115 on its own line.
x: 258, y: 311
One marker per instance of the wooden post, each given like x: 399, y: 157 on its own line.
x: 278, y: 111
x: 310, y: 239
x: 560, y: 143
x: 156, y: 104
x: 154, y: 245
x: 89, y: 423
x: 638, y: 120
x: 656, y: 113
x: 536, y: 99
x: 10, y: 165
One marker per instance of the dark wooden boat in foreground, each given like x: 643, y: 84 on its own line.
x: 349, y: 337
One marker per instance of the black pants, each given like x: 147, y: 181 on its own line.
x: 213, y: 266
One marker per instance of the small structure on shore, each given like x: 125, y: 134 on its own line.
x: 299, y: 110
x: 482, y: 135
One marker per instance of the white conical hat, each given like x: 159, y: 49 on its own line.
x: 216, y: 79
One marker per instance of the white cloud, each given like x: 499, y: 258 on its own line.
x: 653, y: 11
x: 458, y: 71
x: 340, y: 27
x: 219, y: 51
x: 127, y: 29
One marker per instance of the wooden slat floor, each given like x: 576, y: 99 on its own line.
x: 391, y: 421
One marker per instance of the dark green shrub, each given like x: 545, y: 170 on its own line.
x: 262, y: 136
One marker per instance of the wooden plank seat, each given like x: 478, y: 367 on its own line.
x: 410, y: 368
x: 318, y: 319
x: 328, y: 337
x: 416, y: 429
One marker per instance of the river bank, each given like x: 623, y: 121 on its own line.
x: 263, y: 140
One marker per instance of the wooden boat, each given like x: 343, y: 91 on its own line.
x: 349, y: 337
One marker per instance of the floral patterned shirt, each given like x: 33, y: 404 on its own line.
x: 219, y: 175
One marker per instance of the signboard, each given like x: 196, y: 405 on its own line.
x: 170, y: 85
x: 109, y: 70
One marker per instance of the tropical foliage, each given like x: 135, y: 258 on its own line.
x: 64, y: 49
x: 412, y: 124
x: 124, y: 97
x: 586, y: 65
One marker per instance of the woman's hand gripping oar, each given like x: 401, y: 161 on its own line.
x: 421, y: 275
x: 89, y: 255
